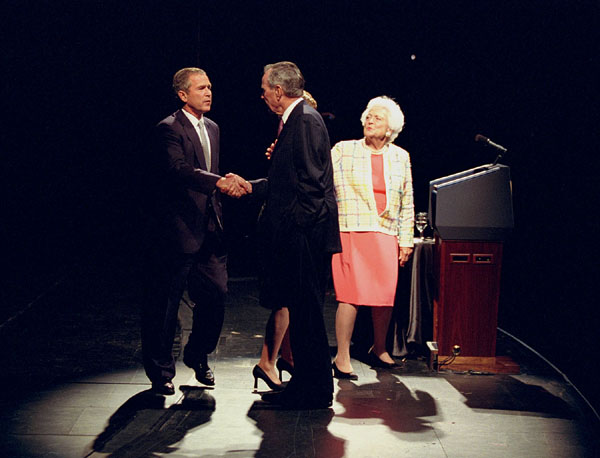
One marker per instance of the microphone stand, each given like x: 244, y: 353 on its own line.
x: 497, y: 159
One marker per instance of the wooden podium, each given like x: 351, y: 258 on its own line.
x: 471, y: 213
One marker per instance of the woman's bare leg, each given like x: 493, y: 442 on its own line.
x: 381, y: 321
x: 276, y: 329
x: 344, y: 325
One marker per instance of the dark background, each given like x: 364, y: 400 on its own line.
x: 86, y: 81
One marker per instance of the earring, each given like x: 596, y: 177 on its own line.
x: 388, y: 134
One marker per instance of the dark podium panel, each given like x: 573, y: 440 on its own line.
x: 467, y: 299
x: 471, y: 213
x: 472, y: 205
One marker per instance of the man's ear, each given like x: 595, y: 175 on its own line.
x: 182, y: 96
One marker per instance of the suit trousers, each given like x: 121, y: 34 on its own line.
x: 312, y: 380
x: 204, y: 274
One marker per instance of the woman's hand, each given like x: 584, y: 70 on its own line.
x: 404, y: 255
x: 270, y: 149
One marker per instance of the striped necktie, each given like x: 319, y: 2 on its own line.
x: 204, y: 143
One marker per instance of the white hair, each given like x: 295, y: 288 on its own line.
x: 395, y: 116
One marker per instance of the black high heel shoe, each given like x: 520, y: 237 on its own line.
x: 258, y: 373
x: 375, y: 361
x: 343, y: 375
x: 283, y: 365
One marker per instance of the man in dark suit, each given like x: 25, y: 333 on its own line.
x: 300, y: 223
x: 187, y: 248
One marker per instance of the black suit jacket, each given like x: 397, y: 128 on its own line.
x: 300, y: 200
x: 186, y: 201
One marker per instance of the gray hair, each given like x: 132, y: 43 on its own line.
x: 288, y: 76
x: 181, y: 79
x: 395, y: 116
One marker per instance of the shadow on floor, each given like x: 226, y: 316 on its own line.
x: 310, y: 437
x: 142, y: 426
x: 389, y: 400
x: 506, y: 393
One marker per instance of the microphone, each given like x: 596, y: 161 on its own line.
x: 481, y: 138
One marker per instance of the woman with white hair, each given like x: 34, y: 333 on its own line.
x: 373, y: 185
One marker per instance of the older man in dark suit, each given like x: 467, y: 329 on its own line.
x: 187, y: 249
x: 300, y: 223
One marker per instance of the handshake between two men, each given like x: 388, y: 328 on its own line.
x: 234, y: 185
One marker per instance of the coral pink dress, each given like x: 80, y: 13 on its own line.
x: 366, y: 271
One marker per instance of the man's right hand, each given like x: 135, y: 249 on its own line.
x: 234, y: 185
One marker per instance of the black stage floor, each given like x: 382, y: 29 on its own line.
x: 73, y: 386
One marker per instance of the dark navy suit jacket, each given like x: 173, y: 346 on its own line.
x: 187, y: 202
x: 300, y: 201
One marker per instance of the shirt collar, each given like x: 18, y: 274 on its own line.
x: 193, y: 118
x: 288, y: 110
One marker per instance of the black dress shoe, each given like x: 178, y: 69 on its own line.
x: 204, y: 374
x: 280, y: 398
x: 272, y: 397
x: 167, y: 388
x: 258, y: 373
x: 375, y: 361
x: 343, y: 375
